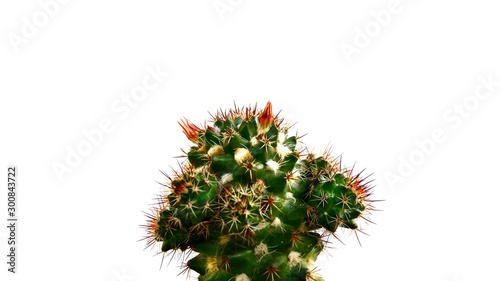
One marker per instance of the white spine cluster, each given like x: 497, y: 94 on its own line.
x: 212, y: 265
x: 242, y: 277
x: 289, y: 196
x: 276, y: 222
x: 294, y: 259
x: 226, y: 178
x: 261, y: 249
x: 254, y: 141
x: 215, y: 150
x: 217, y: 130
x: 281, y: 137
x: 282, y: 150
x: 311, y: 264
x: 242, y: 155
x: 272, y: 166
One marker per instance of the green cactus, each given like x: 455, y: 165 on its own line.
x: 252, y: 203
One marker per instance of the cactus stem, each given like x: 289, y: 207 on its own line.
x: 250, y: 198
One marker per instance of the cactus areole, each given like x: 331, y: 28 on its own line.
x: 252, y: 202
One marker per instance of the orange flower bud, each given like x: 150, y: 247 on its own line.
x: 190, y: 130
x: 266, y: 118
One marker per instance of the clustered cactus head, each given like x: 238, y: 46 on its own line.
x: 252, y: 203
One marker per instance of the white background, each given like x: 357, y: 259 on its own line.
x: 439, y: 222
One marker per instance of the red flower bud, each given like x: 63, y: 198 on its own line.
x: 266, y: 118
x: 190, y: 130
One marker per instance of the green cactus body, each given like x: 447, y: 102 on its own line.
x: 251, y: 204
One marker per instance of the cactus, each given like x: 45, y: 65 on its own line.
x: 252, y: 203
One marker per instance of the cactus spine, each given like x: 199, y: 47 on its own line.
x: 252, y: 203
